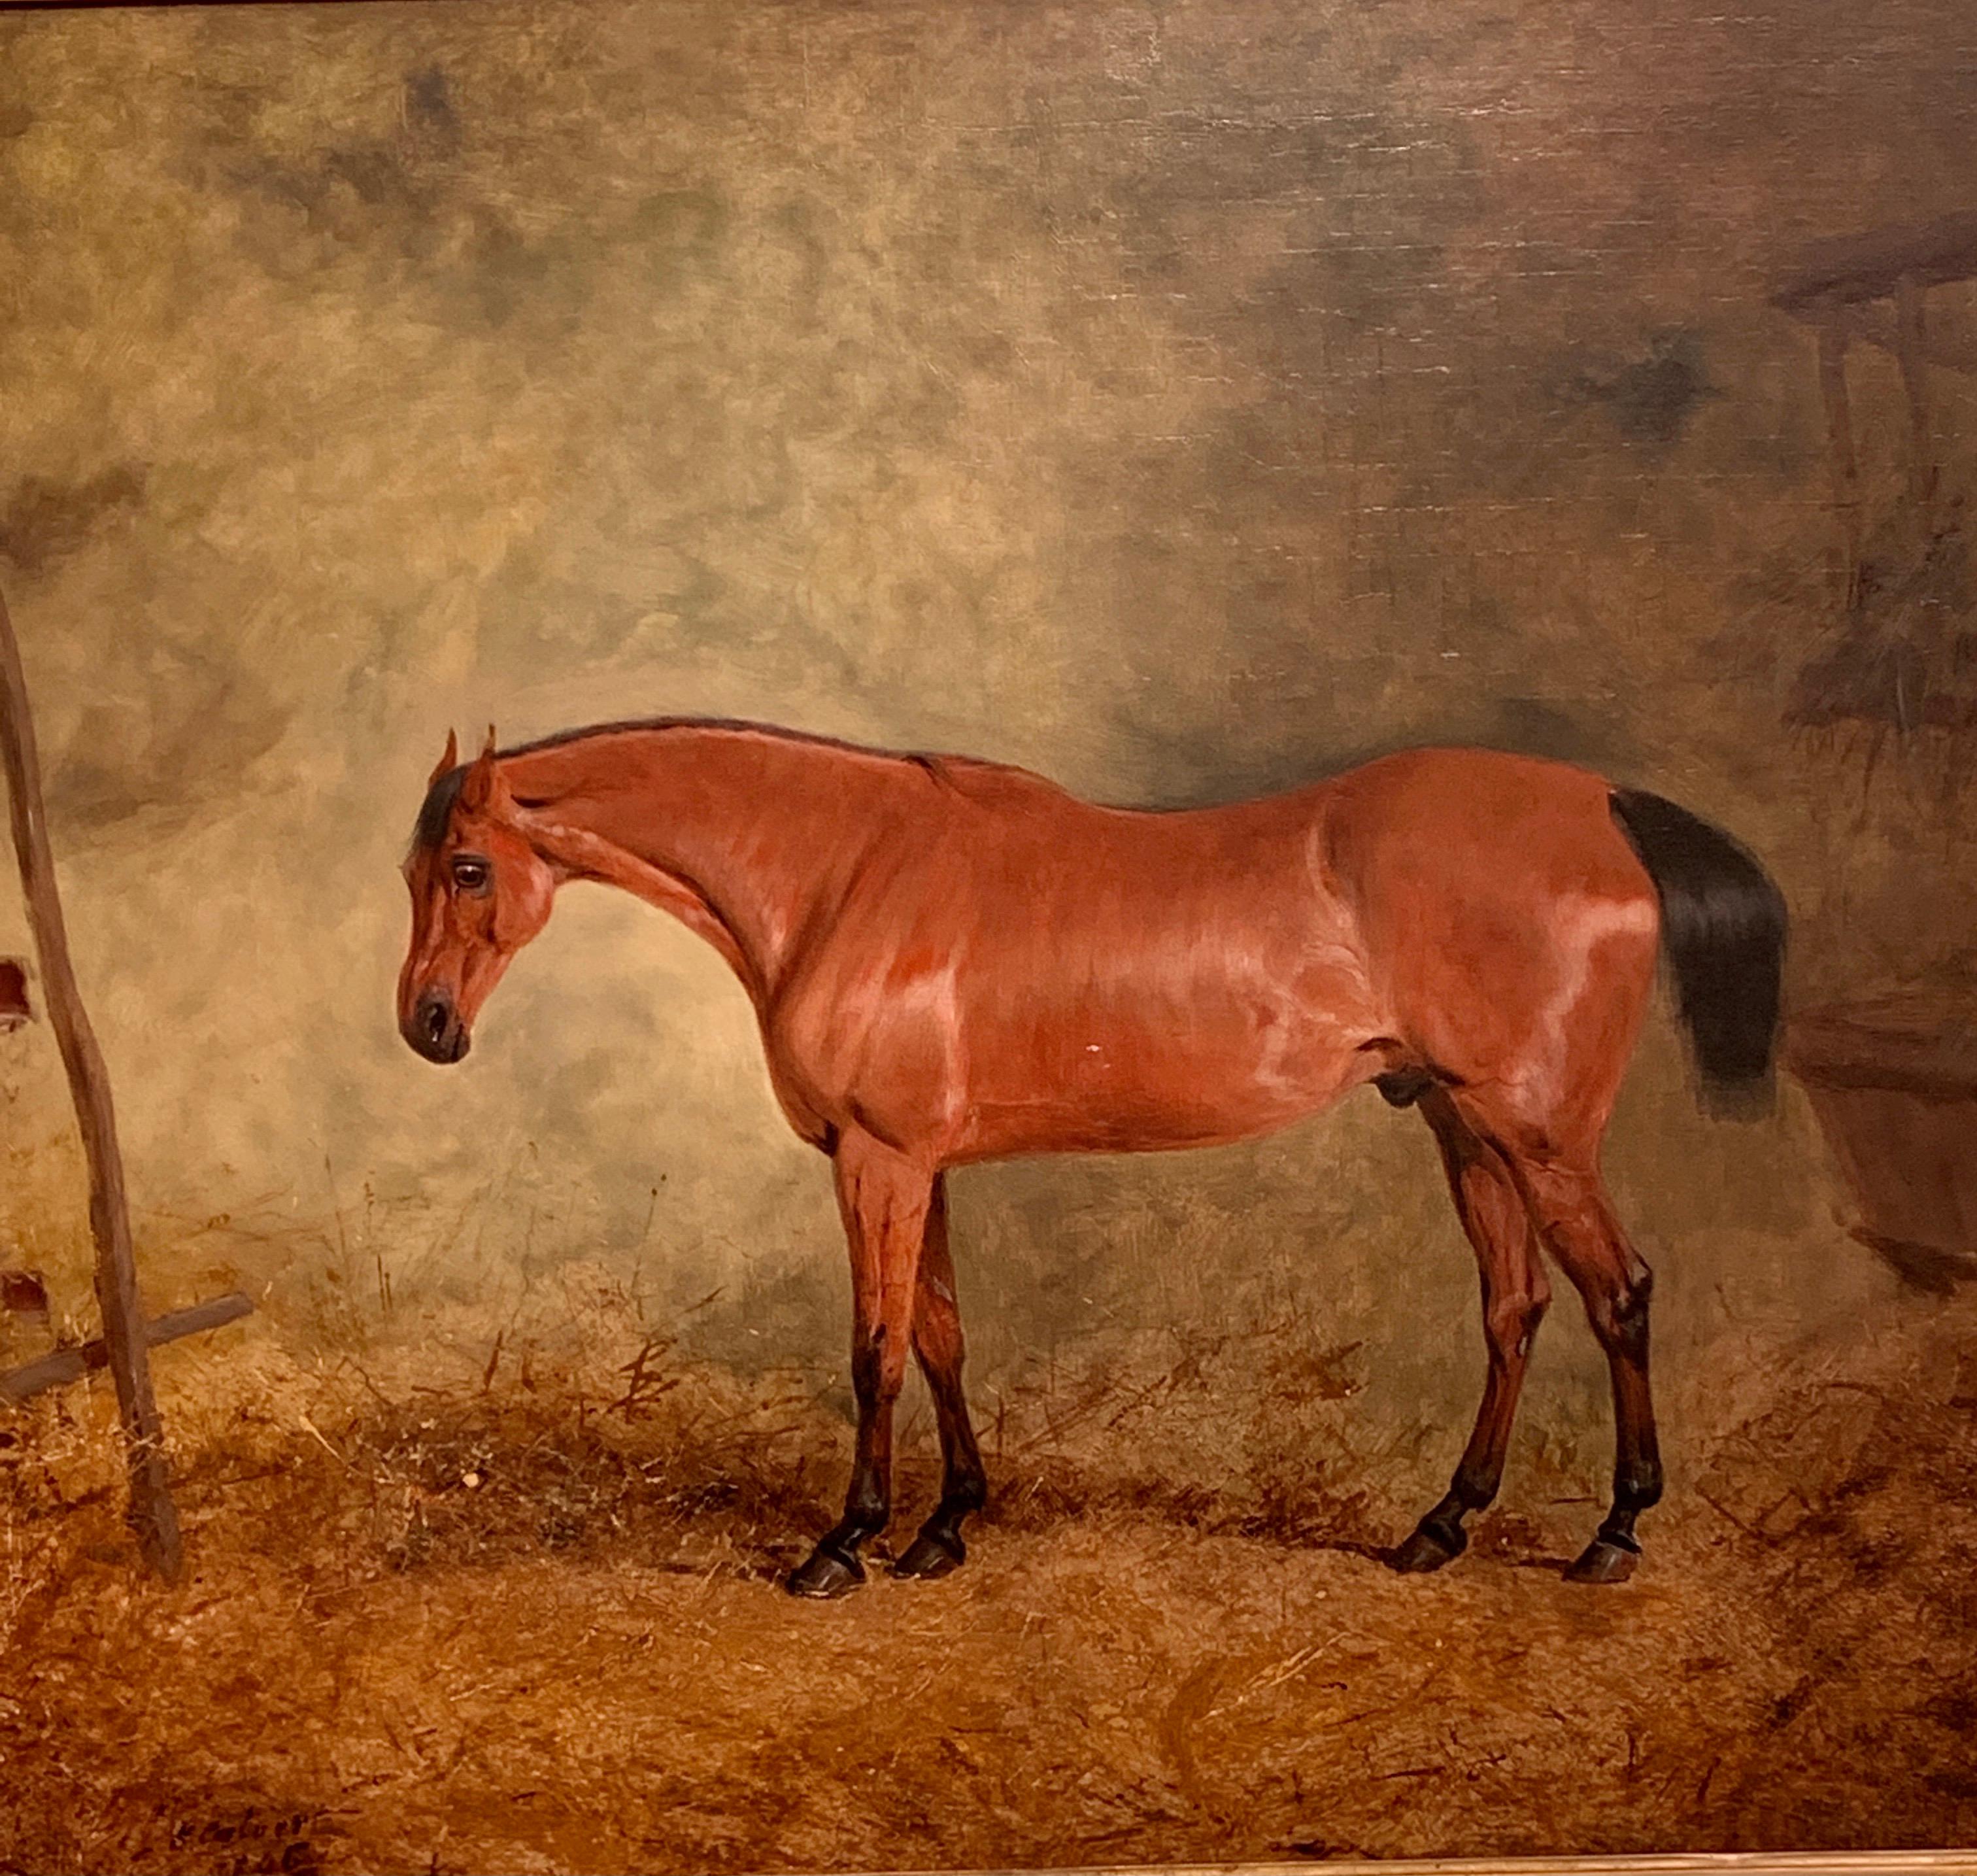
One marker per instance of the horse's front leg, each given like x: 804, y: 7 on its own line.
x: 884, y: 1198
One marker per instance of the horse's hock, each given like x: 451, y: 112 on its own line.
x: 1894, y: 1086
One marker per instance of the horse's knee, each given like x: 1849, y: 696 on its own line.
x: 878, y: 1365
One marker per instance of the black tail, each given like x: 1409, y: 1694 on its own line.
x: 1723, y: 930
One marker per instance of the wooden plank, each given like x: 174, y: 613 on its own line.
x: 60, y: 1366
x: 152, y: 1513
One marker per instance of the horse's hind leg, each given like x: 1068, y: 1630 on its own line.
x: 1577, y: 1221
x: 937, y: 1341
x: 1514, y: 1296
x: 885, y: 1199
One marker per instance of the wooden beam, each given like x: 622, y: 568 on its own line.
x: 152, y: 1513
x: 1871, y: 265
x: 60, y: 1366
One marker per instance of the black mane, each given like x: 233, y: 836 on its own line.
x: 742, y: 723
x: 436, y: 811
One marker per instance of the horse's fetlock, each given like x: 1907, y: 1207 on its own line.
x: 967, y: 1493
x: 1443, y: 1529
x: 868, y: 1510
x: 1638, y: 1487
x: 1475, y: 1488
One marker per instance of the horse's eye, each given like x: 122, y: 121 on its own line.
x: 471, y: 875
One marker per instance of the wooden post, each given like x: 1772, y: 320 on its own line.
x: 152, y: 1514
x: 1840, y: 453
x: 1912, y: 348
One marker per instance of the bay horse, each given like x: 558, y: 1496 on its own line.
x: 952, y: 960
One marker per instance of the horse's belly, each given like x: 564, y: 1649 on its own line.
x: 1128, y: 1094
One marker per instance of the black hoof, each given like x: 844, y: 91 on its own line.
x: 1428, y: 1548
x: 1602, y: 1560
x: 828, y: 1574
x: 929, y: 1556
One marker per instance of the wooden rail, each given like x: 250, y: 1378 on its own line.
x: 60, y: 1366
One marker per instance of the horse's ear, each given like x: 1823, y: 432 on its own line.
x: 482, y: 785
x: 448, y: 762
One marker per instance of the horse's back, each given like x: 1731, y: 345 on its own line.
x: 1485, y: 797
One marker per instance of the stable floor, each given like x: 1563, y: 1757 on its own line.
x: 531, y: 1622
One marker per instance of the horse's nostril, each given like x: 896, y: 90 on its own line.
x: 434, y: 1015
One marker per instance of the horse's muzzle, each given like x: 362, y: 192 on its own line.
x: 434, y: 1028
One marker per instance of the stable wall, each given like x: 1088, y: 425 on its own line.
x: 1181, y: 399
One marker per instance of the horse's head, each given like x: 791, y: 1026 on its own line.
x: 479, y: 893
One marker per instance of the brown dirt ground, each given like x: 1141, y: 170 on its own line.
x: 527, y: 1620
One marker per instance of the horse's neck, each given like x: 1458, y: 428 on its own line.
x: 739, y: 833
